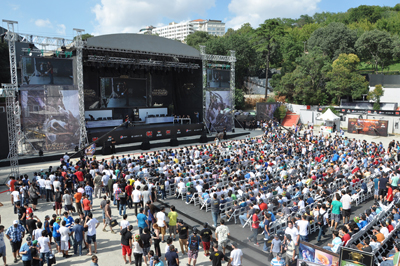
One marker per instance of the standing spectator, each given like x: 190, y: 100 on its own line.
x: 236, y: 255
x: 31, y: 223
x: 346, y: 205
x: 122, y: 202
x: 336, y: 207
x: 107, y: 210
x: 383, y: 180
x: 322, y: 220
x: 89, y: 192
x: 216, y: 256
x: 276, y: 246
x: 138, y: 250
x: 78, y: 231
x: 293, y: 232
x: 67, y: 198
x: 255, y: 225
x: 290, y: 248
x: 142, y: 221
x: 136, y: 199
x: 126, y: 243
x: 3, y: 245
x: 45, y: 248
x: 58, y: 201
x: 278, y: 260
x: 103, y: 204
x: 87, y: 206
x: 221, y: 235
x: 128, y: 190
x: 49, y: 189
x: 34, y: 194
x: 182, y: 231
x: 91, y: 223
x: 64, y: 231
x: 146, y: 238
x: 15, y: 199
x: 160, y: 216
x: 172, y: 257
x: 97, y: 185
x: 173, y: 216
x: 25, y: 251
x: 267, y: 222
x: 302, y: 226
x: 35, y: 253
x: 56, y: 234
x: 124, y: 223
x: 193, y: 244
x: 206, y: 237
x: 215, y: 209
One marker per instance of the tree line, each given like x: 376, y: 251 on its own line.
x: 318, y: 56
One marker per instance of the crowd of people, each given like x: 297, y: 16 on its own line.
x: 274, y: 176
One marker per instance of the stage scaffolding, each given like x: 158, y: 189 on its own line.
x: 54, y: 45
x: 231, y: 59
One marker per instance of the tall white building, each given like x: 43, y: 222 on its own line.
x: 179, y: 31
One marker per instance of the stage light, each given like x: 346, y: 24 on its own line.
x: 63, y: 48
x: 31, y: 45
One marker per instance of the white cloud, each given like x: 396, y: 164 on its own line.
x: 14, y: 6
x: 114, y: 16
x: 256, y: 12
x: 43, y: 23
x: 61, y: 29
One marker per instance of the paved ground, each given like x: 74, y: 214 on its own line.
x: 109, y: 250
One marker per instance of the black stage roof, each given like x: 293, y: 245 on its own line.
x: 142, y: 43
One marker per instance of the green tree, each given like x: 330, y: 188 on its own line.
x: 344, y: 80
x: 239, y: 98
x: 198, y: 38
x: 304, y: 19
x: 390, y: 24
x: 306, y: 84
x: 267, y: 37
x: 372, y: 13
x: 375, y: 95
x: 376, y: 46
x: 280, y: 112
x: 85, y: 36
x: 333, y: 40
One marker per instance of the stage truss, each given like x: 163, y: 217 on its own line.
x: 10, y: 91
x: 231, y: 59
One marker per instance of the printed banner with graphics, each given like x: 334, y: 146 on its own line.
x: 368, y: 127
x: 89, y: 151
x: 50, y: 116
x: 265, y: 111
x: 218, y: 112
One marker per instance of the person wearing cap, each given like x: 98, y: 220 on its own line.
x: 206, y: 237
x: 15, y: 234
x: 137, y: 249
x: 157, y: 261
x: 25, y: 251
x: 236, y: 255
x: 35, y: 253
x: 278, y: 260
x: 193, y: 244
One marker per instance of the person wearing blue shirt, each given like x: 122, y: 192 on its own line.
x: 247, y: 176
x: 78, y: 233
x: 25, y: 250
x: 335, y: 242
x: 68, y: 220
x: 56, y: 234
x: 278, y: 261
x: 310, y: 200
x: 376, y: 187
x: 142, y: 220
x: 157, y: 261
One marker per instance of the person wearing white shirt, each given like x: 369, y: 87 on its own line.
x: 91, y: 224
x: 236, y: 255
x: 346, y: 205
x: 136, y: 198
x: 124, y: 223
x: 160, y: 216
x: 302, y: 226
x: 65, y: 233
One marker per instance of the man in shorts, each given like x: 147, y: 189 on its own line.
x: 3, y: 245
x: 91, y: 224
x: 193, y: 244
x: 103, y: 204
x: 173, y: 216
x: 15, y: 234
x: 221, y: 235
x: 107, y: 210
x: 206, y: 237
x: 67, y: 198
x: 161, y: 222
x: 58, y: 201
x: 126, y: 243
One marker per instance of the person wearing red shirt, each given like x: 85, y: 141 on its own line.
x: 86, y: 205
x: 79, y: 175
x: 389, y: 196
x: 255, y: 225
x: 11, y: 184
x: 263, y: 206
x: 390, y: 227
x: 128, y: 191
x: 344, y: 232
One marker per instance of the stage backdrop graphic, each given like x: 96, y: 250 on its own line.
x: 217, y: 78
x: 123, y: 92
x: 50, y: 116
x: 218, y: 111
x: 266, y: 111
x: 42, y: 71
x: 368, y: 126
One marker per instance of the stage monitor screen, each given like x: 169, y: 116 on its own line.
x: 123, y: 92
x: 217, y: 78
x: 265, y: 111
x: 50, y: 116
x: 46, y: 71
x: 218, y: 112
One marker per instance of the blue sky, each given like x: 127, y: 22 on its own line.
x: 58, y: 18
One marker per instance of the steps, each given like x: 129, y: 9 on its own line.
x: 290, y: 119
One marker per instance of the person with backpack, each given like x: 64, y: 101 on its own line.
x: 322, y: 221
x: 193, y: 244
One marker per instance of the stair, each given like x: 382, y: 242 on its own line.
x: 290, y: 119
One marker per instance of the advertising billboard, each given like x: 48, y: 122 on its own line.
x: 368, y: 127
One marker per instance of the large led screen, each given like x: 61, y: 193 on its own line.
x: 50, y: 116
x: 123, y: 92
x: 265, y: 111
x: 217, y: 78
x: 218, y: 112
x: 46, y: 71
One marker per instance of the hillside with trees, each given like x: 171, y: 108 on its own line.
x: 321, y: 58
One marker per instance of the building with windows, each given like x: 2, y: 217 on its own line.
x: 179, y: 31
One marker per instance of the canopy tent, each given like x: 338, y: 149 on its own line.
x: 329, y: 116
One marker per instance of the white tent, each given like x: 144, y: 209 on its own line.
x: 329, y: 116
